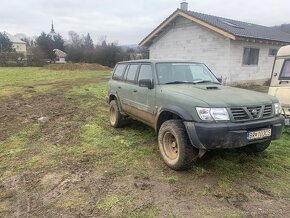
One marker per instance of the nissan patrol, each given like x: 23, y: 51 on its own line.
x: 190, y: 110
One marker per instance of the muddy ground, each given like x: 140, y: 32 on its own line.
x: 54, y: 165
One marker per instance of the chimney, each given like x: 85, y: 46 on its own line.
x: 184, y: 6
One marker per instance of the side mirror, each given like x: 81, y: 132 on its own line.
x: 220, y: 79
x: 146, y: 83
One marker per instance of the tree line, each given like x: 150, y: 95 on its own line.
x: 79, y: 49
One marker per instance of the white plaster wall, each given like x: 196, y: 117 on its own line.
x: 240, y: 72
x: 189, y: 41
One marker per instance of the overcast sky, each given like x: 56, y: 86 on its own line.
x: 126, y: 21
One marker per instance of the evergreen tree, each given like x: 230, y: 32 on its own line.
x: 88, y: 42
x: 58, y: 42
x: 48, y: 43
x: 5, y: 43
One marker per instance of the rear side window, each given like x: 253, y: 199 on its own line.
x: 285, y: 73
x: 145, y: 72
x: 119, y: 71
x: 131, y: 73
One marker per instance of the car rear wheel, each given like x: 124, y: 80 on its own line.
x: 116, y: 119
x: 174, y: 145
x: 257, y: 147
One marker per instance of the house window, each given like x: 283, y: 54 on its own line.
x: 251, y: 56
x: 273, y: 52
x: 285, y: 73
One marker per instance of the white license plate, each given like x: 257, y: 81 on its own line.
x: 287, y: 121
x: 259, y: 134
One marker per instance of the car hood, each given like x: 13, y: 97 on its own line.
x: 219, y: 95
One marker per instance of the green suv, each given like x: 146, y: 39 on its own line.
x: 190, y: 110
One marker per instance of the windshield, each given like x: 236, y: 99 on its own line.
x: 176, y: 73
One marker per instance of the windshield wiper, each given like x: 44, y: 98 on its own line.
x: 205, y: 81
x: 180, y: 82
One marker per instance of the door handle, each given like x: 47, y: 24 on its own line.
x: 281, y: 82
x: 134, y: 90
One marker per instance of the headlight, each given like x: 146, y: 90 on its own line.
x: 204, y: 113
x: 209, y: 114
x: 277, y: 108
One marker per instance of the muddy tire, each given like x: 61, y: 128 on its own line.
x: 174, y: 145
x: 116, y: 118
x: 256, y: 148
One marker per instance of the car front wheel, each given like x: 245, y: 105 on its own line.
x: 174, y: 145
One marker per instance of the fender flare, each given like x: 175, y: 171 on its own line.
x: 118, y: 101
x: 183, y: 114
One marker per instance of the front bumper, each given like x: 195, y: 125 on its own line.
x: 230, y: 135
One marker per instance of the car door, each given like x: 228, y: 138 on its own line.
x: 144, y: 98
x: 128, y: 87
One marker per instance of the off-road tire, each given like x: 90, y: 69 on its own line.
x: 257, y: 147
x: 174, y: 145
x: 116, y: 118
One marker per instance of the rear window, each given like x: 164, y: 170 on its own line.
x: 119, y: 71
x: 285, y: 73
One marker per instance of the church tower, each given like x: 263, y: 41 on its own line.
x: 52, y: 31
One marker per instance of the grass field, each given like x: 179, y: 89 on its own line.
x: 60, y: 158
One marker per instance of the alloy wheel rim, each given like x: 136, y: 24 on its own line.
x: 170, y: 146
x: 112, y: 115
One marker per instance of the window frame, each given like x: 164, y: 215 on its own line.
x: 250, y: 65
x: 152, y: 75
x: 136, y: 75
x: 280, y: 76
x: 122, y: 76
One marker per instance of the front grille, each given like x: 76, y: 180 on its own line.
x: 268, y: 111
x: 240, y: 114
x: 255, y: 111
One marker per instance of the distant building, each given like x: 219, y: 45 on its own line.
x: 60, y: 55
x: 236, y: 51
x: 17, y: 44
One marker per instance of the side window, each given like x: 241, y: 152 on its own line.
x: 251, y: 56
x: 285, y: 73
x: 145, y: 72
x: 131, y: 73
x: 119, y: 71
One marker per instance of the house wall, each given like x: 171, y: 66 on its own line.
x: 190, y: 41
x: 19, y: 47
x: 187, y: 40
x: 241, y: 73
